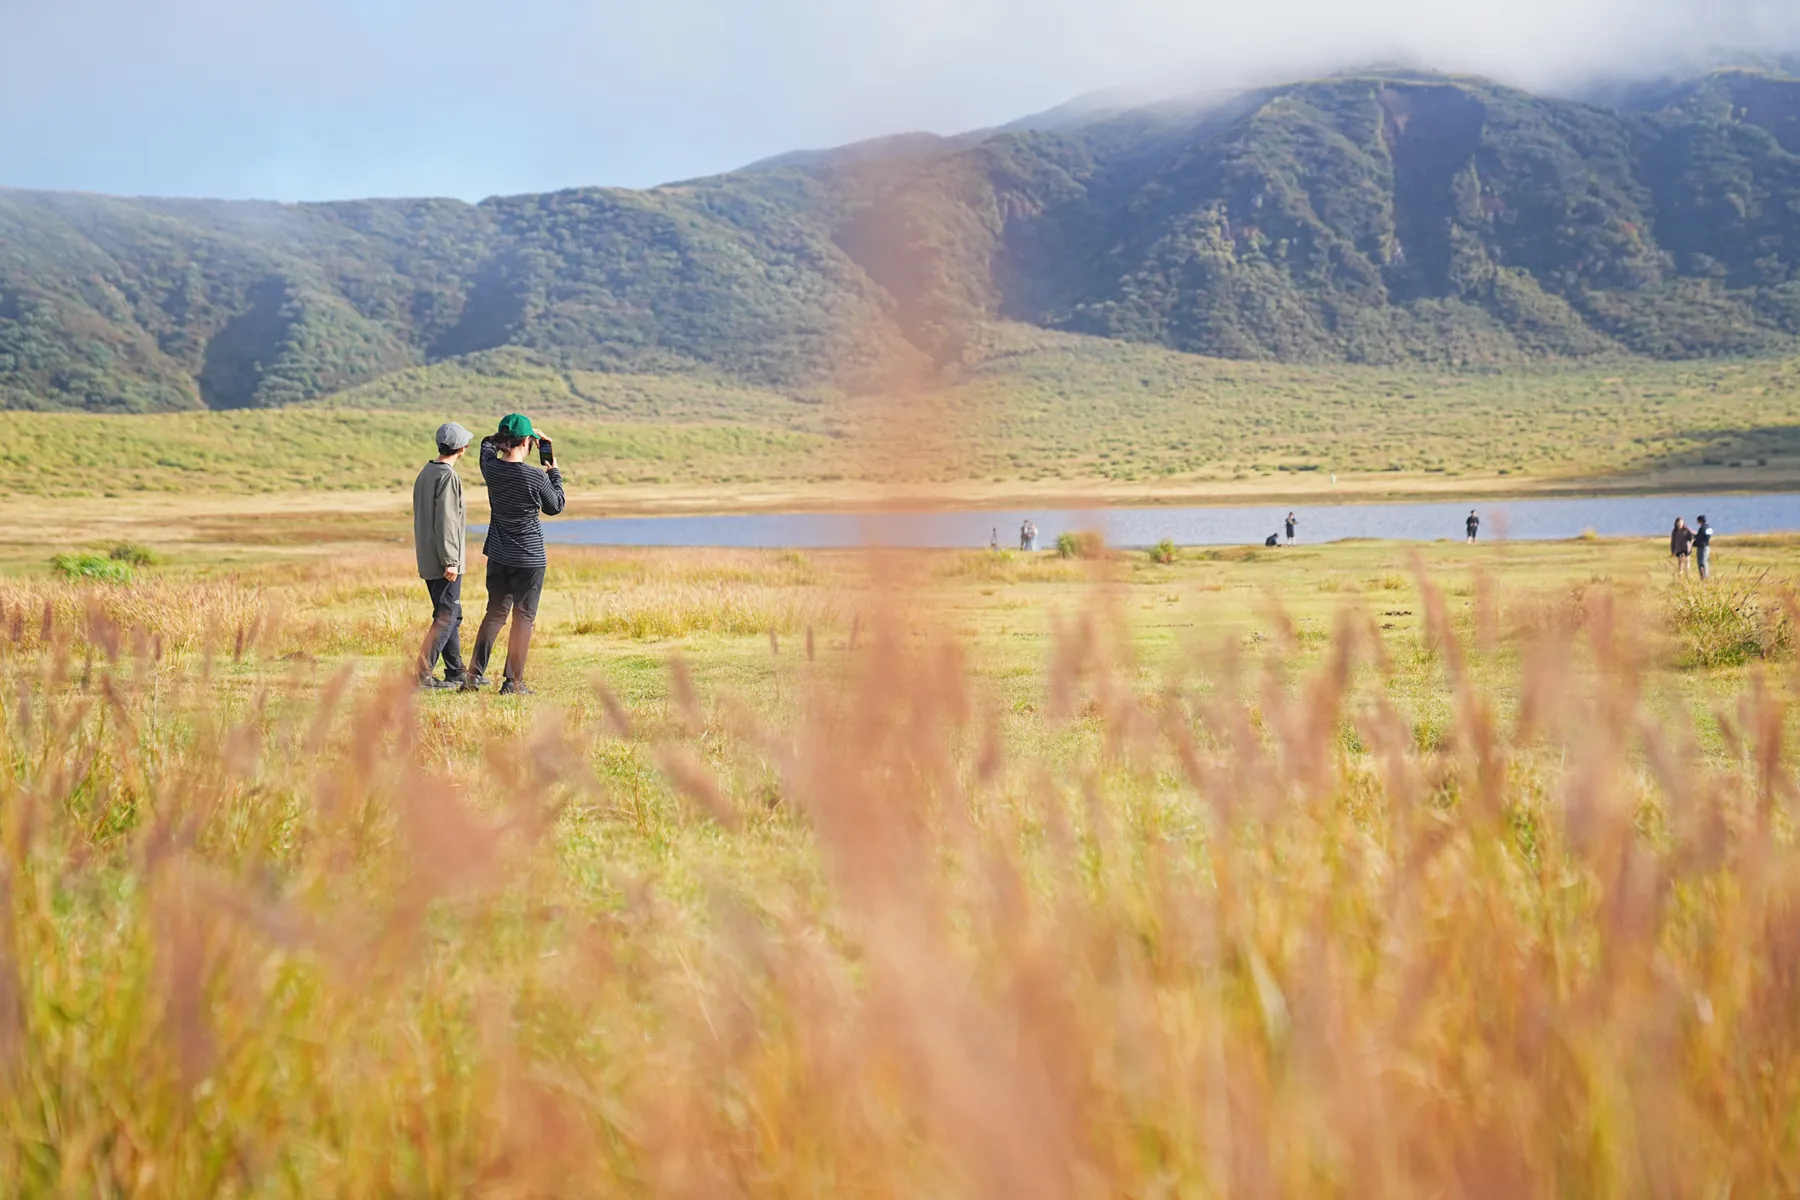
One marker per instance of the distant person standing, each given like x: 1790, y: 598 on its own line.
x: 1031, y: 535
x: 1024, y: 535
x: 518, y: 493
x: 439, y: 521
x: 1473, y: 525
x: 1291, y: 522
x: 1703, y: 536
x: 1681, y: 542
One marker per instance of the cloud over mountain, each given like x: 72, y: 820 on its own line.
x: 333, y: 98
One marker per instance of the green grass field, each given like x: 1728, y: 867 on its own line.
x: 1350, y: 868
x: 1039, y: 412
x: 308, y: 449
x: 1365, y: 868
x: 1122, y: 412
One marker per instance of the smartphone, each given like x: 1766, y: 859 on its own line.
x: 546, y: 453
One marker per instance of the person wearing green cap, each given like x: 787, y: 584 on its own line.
x: 519, y: 495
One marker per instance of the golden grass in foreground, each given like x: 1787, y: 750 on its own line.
x: 370, y: 604
x: 1232, y: 933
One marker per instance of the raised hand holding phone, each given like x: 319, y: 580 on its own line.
x: 546, y: 452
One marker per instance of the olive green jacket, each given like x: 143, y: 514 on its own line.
x: 439, y: 520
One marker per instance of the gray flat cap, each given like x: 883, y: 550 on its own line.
x: 452, y: 436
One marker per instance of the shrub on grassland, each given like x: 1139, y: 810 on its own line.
x: 1080, y: 545
x: 133, y: 555
x: 1728, y: 621
x: 92, y: 567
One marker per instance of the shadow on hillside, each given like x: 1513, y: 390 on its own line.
x: 1760, y: 446
x: 238, y: 354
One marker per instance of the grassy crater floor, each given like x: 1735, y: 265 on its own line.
x: 1035, y: 415
x: 1337, y: 869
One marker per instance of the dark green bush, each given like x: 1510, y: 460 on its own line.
x: 1080, y: 545
x: 132, y: 555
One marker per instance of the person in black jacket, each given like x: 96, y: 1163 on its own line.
x: 1681, y: 541
x: 518, y: 493
x: 1472, y: 525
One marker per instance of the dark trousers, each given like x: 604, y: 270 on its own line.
x: 444, y: 638
x: 512, y: 590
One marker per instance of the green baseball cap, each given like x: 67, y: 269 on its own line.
x: 516, y: 425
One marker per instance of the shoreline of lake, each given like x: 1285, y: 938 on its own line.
x: 649, y: 500
x: 1520, y: 519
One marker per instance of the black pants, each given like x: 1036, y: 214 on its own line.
x: 444, y: 638
x: 509, y: 589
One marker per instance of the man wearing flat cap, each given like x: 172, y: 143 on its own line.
x: 439, y: 520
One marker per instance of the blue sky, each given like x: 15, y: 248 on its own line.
x: 322, y: 99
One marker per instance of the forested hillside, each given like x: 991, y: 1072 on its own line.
x: 1369, y: 218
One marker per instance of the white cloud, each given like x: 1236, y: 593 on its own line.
x: 325, y: 97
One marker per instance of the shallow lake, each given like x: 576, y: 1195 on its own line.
x: 1611, y: 516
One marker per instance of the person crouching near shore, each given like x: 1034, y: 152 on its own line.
x: 519, y: 494
x: 439, y: 520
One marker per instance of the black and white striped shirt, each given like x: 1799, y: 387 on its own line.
x: 517, y: 493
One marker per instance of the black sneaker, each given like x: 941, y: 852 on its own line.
x: 432, y: 683
x: 473, y: 683
x: 510, y: 688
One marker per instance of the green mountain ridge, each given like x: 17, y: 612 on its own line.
x: 1384, y: 217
